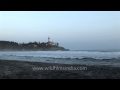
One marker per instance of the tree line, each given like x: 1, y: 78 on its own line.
x: 29, y: 45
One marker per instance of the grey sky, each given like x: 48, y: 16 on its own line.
x: 83, y: 30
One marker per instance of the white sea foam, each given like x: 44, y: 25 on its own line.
x: 65, y: 57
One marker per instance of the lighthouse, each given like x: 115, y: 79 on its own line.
x: 49, y: 41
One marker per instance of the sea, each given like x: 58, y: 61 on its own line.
x: 81, y: 57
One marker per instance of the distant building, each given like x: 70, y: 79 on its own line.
x: 54, y: 44
x: 35, y: 45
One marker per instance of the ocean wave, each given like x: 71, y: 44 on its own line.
x: 61, y: 57
x: 71, y: 55
x: 74, y: 58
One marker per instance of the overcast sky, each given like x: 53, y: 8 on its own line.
x: 75, y: 30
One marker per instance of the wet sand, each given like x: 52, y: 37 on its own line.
x: 10, y: 69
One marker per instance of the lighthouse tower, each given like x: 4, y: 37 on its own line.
x: 49, y: 41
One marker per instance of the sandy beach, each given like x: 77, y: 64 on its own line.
x: 10, y: 69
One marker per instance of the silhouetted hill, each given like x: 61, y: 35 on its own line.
x: 10, y: 45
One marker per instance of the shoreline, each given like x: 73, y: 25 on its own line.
x: 12, y: 69
x: 35, y: 50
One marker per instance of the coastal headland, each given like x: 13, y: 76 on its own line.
x: 30, y: 46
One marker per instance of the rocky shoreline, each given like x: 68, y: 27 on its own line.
x: 37, y: 49
x: 10, y: 69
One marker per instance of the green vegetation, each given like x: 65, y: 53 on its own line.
x: 10, y: 45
